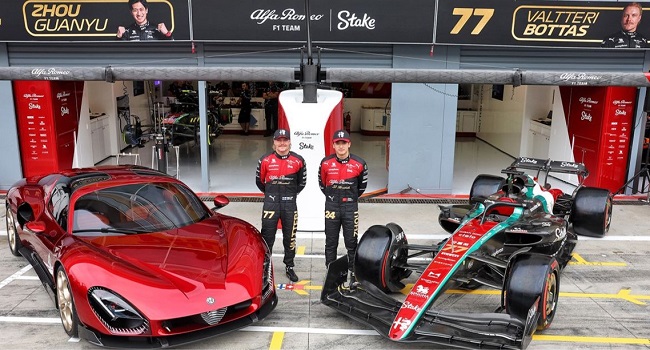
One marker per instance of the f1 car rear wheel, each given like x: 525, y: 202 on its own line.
x: 378, y: 252
x: 484, y: 186
x: 532, y: 276
x: 65, y: 303
x: 591, y: 213
x: 197, y: 134
x: 12, y: 233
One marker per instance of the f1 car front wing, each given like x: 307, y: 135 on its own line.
x: 369, y: 305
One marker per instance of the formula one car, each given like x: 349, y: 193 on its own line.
x: 133, y: 258
x: 183, y: 125
x: 515, y: 235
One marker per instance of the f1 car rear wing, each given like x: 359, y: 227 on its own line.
x: 530, y: 163
x: 549, y: 166
x: 568, y: 168
x: 553, y: 166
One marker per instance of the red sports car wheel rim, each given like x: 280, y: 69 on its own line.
x: 64, y: 300
x: 11, y: 231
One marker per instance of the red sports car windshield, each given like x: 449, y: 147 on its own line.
x: 136, y: 208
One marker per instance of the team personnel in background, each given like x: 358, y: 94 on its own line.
x: 281, y: 175
x: 141, y: 29
x: 244, y: 118
x: 342, y: 178
x: 271, y: 108
x: 628, y: 36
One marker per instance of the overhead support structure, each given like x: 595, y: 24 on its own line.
x: 585, y: 78
x: 54, y: 73
x: 514, y: 77
x: 204, y: 73
x: 440, y: 76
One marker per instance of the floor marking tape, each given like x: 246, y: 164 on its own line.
x: 276, y: 341
x: 45, y: 320
x: 310, y: 330
x: 15, y: 276
x: 340, y: 331
x: 582, y: 339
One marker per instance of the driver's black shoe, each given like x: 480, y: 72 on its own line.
x: 291, y: 274
x: 352, y: 281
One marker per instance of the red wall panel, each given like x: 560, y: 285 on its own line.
x: 48, y: 118
x: 599, y: 124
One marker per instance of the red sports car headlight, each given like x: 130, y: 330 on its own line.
x: 115, y: 313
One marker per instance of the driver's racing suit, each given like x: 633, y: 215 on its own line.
x: 281, y: 178
x: 342, y: 181
x: 147, y: 31
x: 625, y: 39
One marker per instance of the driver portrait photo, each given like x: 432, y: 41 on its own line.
x: 628, y: 36
x: 141, y: 29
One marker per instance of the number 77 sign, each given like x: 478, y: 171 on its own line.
x: 528, y: 23
x: 465, y: 14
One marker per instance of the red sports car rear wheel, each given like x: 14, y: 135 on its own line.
x: 12, y: 234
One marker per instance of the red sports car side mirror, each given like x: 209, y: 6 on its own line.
x: 220, y: 201
x: 35, y: 226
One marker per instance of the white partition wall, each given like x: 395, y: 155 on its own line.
x: 312, y: 126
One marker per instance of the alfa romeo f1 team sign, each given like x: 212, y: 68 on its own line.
x: 371, y: 21
x: 541, y: 23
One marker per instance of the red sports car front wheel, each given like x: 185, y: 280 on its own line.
x: 64, y: 301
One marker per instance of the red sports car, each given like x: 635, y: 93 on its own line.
x: 133, y: 257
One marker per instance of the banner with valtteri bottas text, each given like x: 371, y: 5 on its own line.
x: 537, y: 23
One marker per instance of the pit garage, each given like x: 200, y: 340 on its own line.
x: 604, y: 294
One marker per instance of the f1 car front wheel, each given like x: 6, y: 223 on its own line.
x: 12, y: 233
x: 591, y: 213
x: 212, y: 129
x: 379, y: 254
x: 529, y: 277
x: 65, y: 302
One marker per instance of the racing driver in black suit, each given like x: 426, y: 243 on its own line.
x: 281, y: 175
x: 628, y: 36
x: 141, y: 29
x: 343, y: 178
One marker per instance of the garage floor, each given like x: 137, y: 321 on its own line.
x: 604, y: 292
x: 233, y: 159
